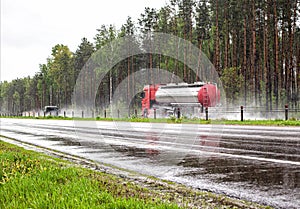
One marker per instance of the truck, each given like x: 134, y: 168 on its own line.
x: 51, y: 110
x: 168, y: 99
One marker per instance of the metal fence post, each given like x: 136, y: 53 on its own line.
x: 242, y: 113
x: 178, y: 113
x: 104, y: 113
x: 154, y: 113
x: 286, y: 112
x: 64, y: 114
x: 206, y: 113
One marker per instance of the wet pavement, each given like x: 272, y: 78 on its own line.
x: 260, y: 164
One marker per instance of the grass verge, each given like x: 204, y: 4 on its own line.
x: 33, y: 180
x: 277, y: 122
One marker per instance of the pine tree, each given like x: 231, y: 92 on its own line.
x: 202, y: 32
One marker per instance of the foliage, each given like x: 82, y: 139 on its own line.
x: 232, y: 82
x: 173, y: 119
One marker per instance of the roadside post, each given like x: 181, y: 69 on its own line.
x: 242, y: 113
x: 206, y: 113
x: 286, y: 112
x: 178, y: 113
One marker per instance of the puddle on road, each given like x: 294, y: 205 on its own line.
x: 63, y: 141
x: 135, y: 152
x: 55, y: 139
x: 245, y: 171
x: 220, y: 169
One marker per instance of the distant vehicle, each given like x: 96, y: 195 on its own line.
x: 52, y: 110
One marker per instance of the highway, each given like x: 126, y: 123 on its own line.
x: 255, y: 163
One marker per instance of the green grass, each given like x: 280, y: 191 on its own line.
x: 32, y: 180
x: 290, y: 122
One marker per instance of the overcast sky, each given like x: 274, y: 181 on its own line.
x: 30, y: 28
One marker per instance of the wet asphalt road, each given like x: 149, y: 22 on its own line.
x: 260, y: 164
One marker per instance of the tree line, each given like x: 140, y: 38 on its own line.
x: 254, y: 46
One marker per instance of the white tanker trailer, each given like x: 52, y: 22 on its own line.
x: 165, y: 98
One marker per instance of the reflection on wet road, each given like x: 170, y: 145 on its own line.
x: 260, y: 164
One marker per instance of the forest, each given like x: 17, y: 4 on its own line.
x: 254, y: 46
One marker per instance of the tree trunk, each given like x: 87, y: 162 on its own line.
x: 226, y: 37
x: 199, y: 70
x: 293, y: 56
x: 217, y: 47
x: 290, y: 66
x: 270, y: 73
x: 253, y: 56
x: 266, y: 67
x: 298, y: 74
x: 128, y: 80
x: 245, y: 56
x: 276, y: 60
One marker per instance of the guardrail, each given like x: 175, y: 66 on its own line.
x: 242, y: 113
x: 254, y: 113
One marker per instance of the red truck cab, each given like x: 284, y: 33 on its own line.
x: 148, y: 98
